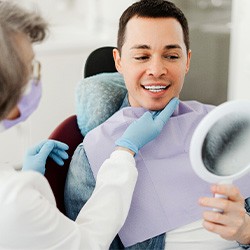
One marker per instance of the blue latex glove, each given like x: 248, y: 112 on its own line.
x: 146, y: 128
x: 36, y: 157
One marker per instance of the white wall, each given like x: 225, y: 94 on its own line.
x: 76, y: 30
x: 239, y: 70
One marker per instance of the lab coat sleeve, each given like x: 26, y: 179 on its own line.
x: 29, y: 217
x: 105, y: 212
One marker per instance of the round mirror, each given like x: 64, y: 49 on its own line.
x: 220, y: 146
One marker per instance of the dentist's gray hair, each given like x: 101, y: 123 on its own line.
x: 15, y: 20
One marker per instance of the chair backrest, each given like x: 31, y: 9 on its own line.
x: 99, y: 61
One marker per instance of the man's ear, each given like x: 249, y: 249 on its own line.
x: 117, y: 59
x: 188, y: 60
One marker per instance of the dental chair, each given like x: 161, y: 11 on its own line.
x: 99, y: 61
x: 68, y: 132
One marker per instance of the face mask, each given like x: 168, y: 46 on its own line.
x: 27, y: 105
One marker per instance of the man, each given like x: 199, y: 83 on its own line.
x: 29, y: 218
x: 153, y: 55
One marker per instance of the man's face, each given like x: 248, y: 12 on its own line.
x: 153, y: 61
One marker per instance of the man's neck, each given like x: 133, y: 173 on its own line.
x: 125, y: 102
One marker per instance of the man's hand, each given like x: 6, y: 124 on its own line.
x: 146, y: 128
x: 233, y: 223
x: 36, y: 157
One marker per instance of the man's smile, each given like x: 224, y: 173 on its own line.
x: 155, y: 88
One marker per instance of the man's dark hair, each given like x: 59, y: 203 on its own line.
x: 152, y: 9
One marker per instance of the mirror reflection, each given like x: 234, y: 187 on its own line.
x: 225, y: 150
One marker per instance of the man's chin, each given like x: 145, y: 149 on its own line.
x: 155, y: 107
x: 159, y: 105
x: 152, y: 105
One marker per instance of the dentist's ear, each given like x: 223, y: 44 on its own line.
x: 14, y: 113
x: 117, y: 59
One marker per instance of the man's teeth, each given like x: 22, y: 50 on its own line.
x: 155, y: 88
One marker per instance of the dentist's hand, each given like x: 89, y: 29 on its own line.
x: 146, y: 128
x: 36, y: 157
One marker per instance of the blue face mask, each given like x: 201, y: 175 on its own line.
x: 27, y: 104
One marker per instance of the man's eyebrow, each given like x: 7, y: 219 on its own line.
x: 140, y: 46
x: 172, y: 46
x: 167, y: 47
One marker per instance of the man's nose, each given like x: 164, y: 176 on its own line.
x: 156, y: 67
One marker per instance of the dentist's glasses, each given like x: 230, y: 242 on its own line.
x: 36, y: 71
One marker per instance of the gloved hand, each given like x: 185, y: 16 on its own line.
x: 146, y: 128
x: 36, y: 157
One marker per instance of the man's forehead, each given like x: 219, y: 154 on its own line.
x: 144, y: 33
x: 138, y: 26
x: 135, y: 20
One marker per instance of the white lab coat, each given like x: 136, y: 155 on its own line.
x: 29, y: 218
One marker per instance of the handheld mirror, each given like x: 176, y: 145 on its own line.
x: 220, y: 146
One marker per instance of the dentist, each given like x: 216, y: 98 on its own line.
x: 29, y: 218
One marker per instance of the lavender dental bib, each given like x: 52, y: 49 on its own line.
x: 167, y: 191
